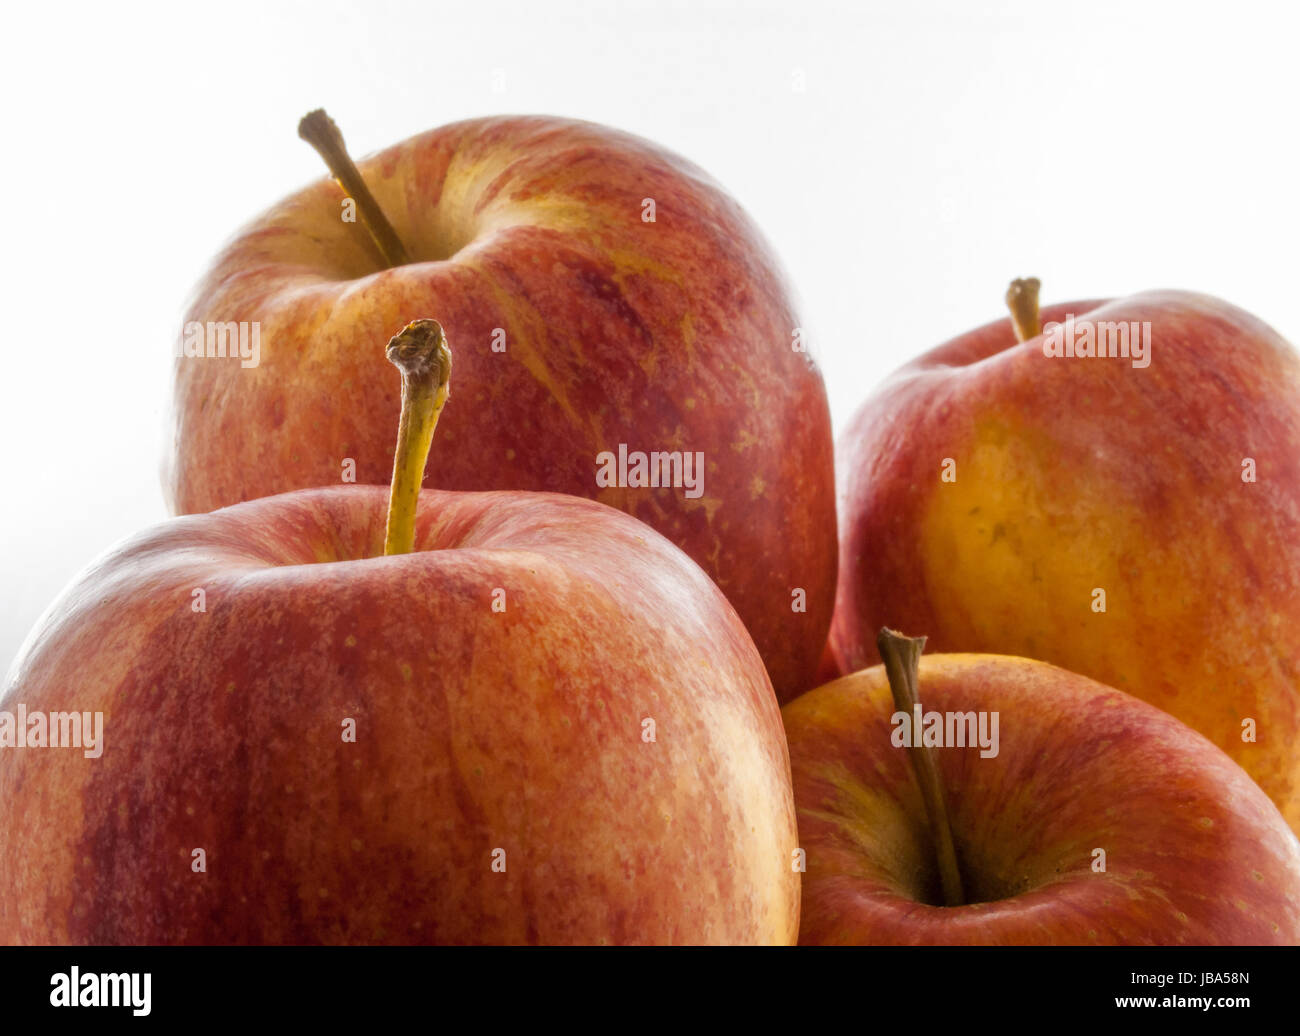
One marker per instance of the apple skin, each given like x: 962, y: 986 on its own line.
x: 476, y: 730
x: 1196, y: 853
x: 671, y: 335
x: 1077, y: 473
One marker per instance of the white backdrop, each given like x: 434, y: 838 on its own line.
x: 934, y: 151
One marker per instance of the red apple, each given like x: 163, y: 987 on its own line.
x: 1194, y: 851
x: 544, y: 724
x: 476, y: 730
x: 1133, y: 519
x: 601, y: 292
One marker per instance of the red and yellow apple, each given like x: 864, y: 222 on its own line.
x: 476, y: 730
x: 601, y: 293
x: 1134, y: 519
x: 1084, y: 778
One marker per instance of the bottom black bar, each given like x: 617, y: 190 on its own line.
x: 164, y: 986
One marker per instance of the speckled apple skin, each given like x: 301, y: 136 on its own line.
x: 671, y: 335
x: 1074, y: 474
x: 1195, y: 852
x: 476, y: 730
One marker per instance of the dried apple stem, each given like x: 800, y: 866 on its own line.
x: 319, y: 131
x: 1022, y: 300
x: 901, y: 656
x: 421, y: 353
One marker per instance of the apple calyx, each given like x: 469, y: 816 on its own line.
x: 421, y: 353
x: 902, y: 656
x: 319, y: 130
x: 1022, y: 300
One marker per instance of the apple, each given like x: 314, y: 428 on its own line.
x: 608, y: 301
x: 1136, y: 520
x: 1092, y: 818
x: 544, y: 724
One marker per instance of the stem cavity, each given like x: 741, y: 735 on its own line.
x: 319, y: 131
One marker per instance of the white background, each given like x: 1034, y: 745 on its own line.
x: 936, y: 151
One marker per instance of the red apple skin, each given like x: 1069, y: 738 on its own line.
x: 476, y: 730
x: 671, y: 335
x: 1074, y: 474
x: 1196, y: 853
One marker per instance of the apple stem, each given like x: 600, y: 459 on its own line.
x: 902, y: 656
x: 1022, y: 300
x: 421, y: 353
x: 319, y: 130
